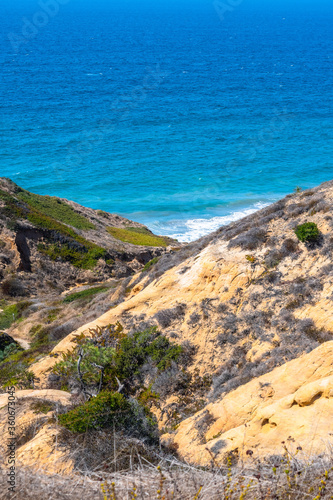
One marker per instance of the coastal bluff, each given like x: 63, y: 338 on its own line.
x: 251, y: 305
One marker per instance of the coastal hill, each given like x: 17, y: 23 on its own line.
x: 250, y: 307
x: 52, y: 243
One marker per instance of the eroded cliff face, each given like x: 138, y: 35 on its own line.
x: 256, y: 307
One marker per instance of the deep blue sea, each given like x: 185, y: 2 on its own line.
x: 182, y: 115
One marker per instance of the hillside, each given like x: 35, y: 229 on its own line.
x: 48, y: 243
x: 250, y: 307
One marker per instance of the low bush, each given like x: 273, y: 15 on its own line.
x: 135, y: 351
x: 251, y: 239
x: 105, y: 410
x: 289, y: 246
x: 307, y: 232
x: 273, y: 258
x: 13, y: 287
x: 8, y: 350
x: 166, y: 317
x: 194, y: 319
x: 111, y: 410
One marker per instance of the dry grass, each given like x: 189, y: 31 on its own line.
x: 278, y: 478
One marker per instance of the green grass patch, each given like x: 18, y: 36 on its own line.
x: 67, y: 245
x: 150, y: 264
x: 137, y: 236
x: 12, y: 313
x: 79, y: 256
x: 57, y: 209
x: 90, y: 292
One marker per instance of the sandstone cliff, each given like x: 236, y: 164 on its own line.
x: 254, y: 307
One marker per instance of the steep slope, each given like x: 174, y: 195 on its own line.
x: 245, y: 301
x: 251, y: 299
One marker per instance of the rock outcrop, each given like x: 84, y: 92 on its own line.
x: 292, y: 407
x: 36, y: 431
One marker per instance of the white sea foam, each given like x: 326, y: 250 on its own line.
x: 193, y: 229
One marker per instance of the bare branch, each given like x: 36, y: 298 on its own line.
x: 120, y: 386
x: 83, y: 385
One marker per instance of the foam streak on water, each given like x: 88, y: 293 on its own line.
x: 192, y: 229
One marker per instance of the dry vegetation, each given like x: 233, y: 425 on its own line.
x: 279, y: 478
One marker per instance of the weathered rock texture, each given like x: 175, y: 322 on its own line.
x: 291, y: 406
x: 36, y: 433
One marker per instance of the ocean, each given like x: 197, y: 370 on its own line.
x: 181, y: 115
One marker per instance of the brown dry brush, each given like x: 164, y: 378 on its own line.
x: 279, y: 478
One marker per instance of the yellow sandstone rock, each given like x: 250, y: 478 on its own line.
x: 36, y: 435
x: 292, y: 404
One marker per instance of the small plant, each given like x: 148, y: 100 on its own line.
x: 42, y: 406
x: 8, y: 350
x: 307, y: 232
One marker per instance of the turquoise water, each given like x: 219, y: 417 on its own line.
x: 167, y: 114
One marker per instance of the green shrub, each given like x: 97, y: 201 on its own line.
x: 135, y: 351
x: 92, y: 355
x: 109, y: 410
x: 8, y: 350
x: 90, y: 292
x: 150, y: 264
x: 104, y: 410
x: 137, y: 236
x: 307, y: 232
